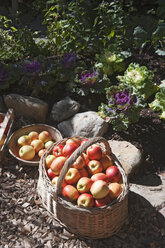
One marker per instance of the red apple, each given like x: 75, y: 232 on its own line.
x: 83, y: 141
x: 55, y: 179
x: 70, y: 192
x: 75, y: 140
x: 85, y: 200
x: 84, y: 184
x: 79, y: 163
x: 48, y: 160
x: 57, y: 164
x: 44, y: 136
x: 72, y: 176
x: 83, y: 172
x: 115, y: 190
x: 99, y: 189
x: 85, y: 156
x: 69, y: 149
x: 41, y: 152
x: 100, y: 176
x: 94, y: 167
x: 94, y: 152
x: 103, y: 202
x: 106, y: 161
x: 50, y: 174
x: 58, y: 150
x: 113, y: 174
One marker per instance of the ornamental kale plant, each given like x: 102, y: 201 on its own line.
x: 122, y: 108
x: 141, y: 79
x: 158, y: 105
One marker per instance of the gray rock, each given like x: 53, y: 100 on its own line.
x: 64, y: 109
x: 86, y: 124
x: 129, y: 156
x: 152, y: 193
x: 28, y: 107
x: 3, y: 108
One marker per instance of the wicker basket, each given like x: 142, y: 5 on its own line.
x: 94, y: 223
x: 8, y: 120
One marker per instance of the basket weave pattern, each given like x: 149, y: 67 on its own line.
x: 94, y: 222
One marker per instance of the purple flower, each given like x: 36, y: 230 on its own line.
x: 89, y: 79
x: 68, y: 60
x: 123, y: 98
x: 33, y: 67
x: 3, y: 74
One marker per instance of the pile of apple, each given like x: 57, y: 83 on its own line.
x: 92, y: 180
x: 33, y: 144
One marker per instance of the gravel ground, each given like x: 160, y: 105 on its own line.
x: 25, y: 223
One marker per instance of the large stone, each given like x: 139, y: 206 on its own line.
x: 64, y: 109
x: 28, y: 107
x: 129, y: 156
x: 86, y: 124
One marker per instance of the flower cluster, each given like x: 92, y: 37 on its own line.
x: 88, y: 79
x: 123, y: 107
x: 32, y: 67
x: 68, y: 60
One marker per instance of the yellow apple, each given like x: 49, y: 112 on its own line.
x: 37, y: 145
x: 45, y: 136
x: 49, y: 160
x: 27, y: 152
x: 49, y: 144
x: 33, y: 135
x: 24, y: 140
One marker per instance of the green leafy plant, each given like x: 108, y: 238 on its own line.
x: 140, y: 78
x: 158, y: 105
x: 122, y: 108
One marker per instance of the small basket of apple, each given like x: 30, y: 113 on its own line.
x: 28, y: 143
x: 83, y: 186
x: 6, y: 123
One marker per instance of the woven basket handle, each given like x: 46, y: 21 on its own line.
x: 73, y: 158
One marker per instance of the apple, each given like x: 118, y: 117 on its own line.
x: 44, y: 136
x: 57, y: 164
x: 58, y: 150
x: 70, y: 192
x: 83, y: 172
x: 50, y: 174
x: 26, y: 152
x: 99, y: 189
x: 49, y: 144
x: 113, y: 174
x: 83, y: 141
x: 79, y: 163
x: 72, y: 176
x: 41, y: 152
x: 33, y: 135
x: 103, y: 202
x: 85, y: 200
x: 37, y: 144
x: 55, y: 179
x: 115, y: 190
x: 75, y: 140
x: 24, y: 140
x: 106, y: 161
x: 2, y: 140
x: 94, y: 152
x: 94, y: 167
x: 85, y: 156
x: 69, y: 149
x: 48, y: 160
x: 84, y: 184
x: 99, y: 176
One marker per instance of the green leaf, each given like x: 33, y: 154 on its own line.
x: 159, y: 32
x: 160, y: 52
x: 140, y: 36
